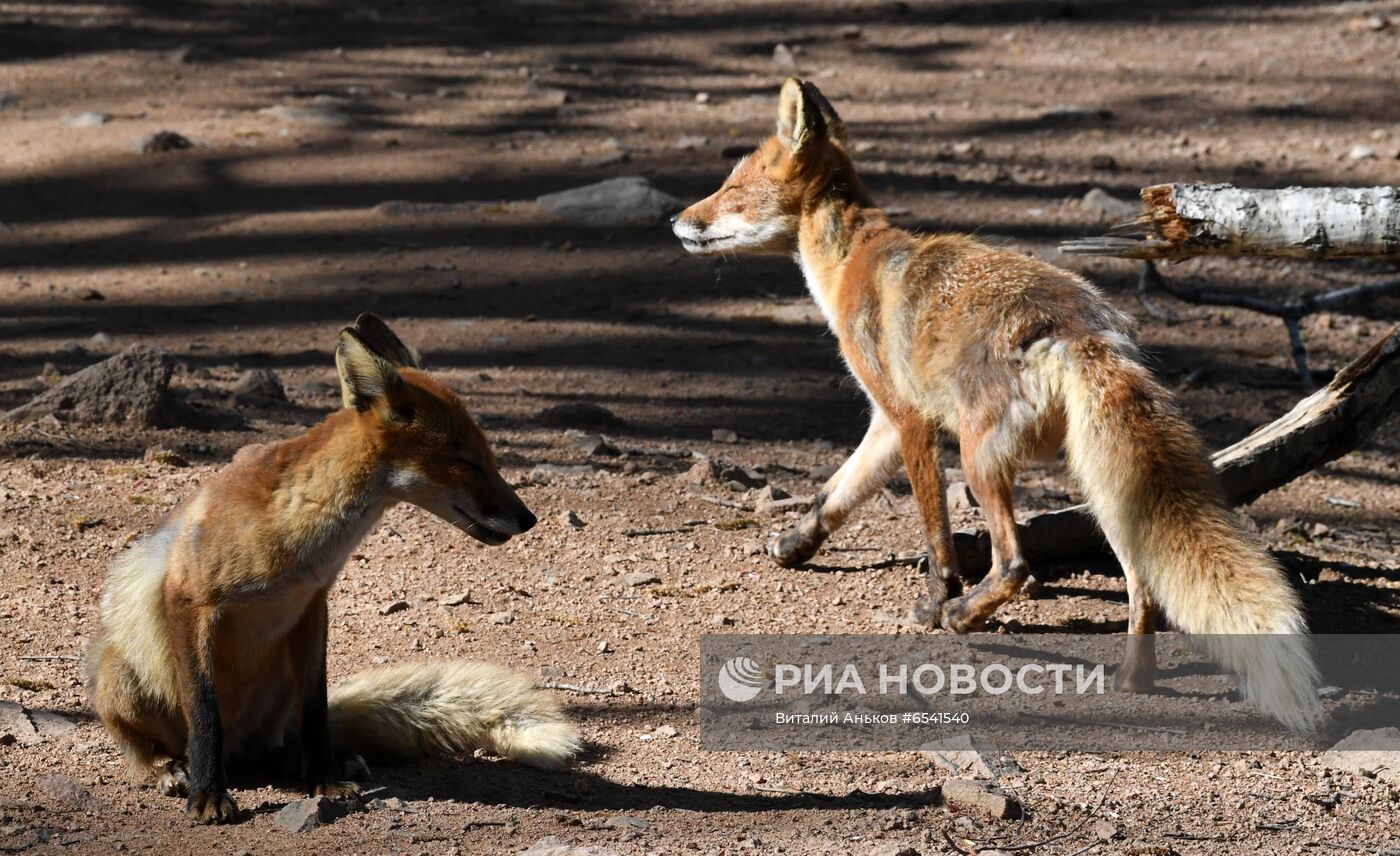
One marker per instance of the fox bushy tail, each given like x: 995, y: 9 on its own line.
x: 1157, y: 499
x: 412, y: 710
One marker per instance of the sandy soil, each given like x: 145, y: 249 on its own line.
x: 252, y: 248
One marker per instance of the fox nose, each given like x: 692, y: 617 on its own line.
x: 674, y: 218
x: 526, y: 520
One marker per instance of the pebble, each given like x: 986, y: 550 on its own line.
x: 87, y: 119
x: 162, y: 141
x: 393, y: 607
x: 1359, y: 152
x: 783, y: 60
x: 640, y: 578
x: 1107, y: 206
x: 571, y: 519
x: 724, y: 435
x: 502, y: 617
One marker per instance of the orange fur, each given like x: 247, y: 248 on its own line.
x: 229, y: 595
x: 1017, y: 358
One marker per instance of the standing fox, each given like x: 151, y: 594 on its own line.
x: 213, y: 636
x: 1017, y: 358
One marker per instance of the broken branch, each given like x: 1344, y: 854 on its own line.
x: 1185, y: 220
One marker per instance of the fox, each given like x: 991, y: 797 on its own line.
x: 1017, y: 359
x: 213, y: 629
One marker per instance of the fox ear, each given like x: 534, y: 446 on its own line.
x: 800, y: 120
x: 383, y: 342
x: 365, y: 376
x: 835, y: 128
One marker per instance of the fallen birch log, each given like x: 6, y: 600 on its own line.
x: 1185, y: 220
x: 1319, y: 429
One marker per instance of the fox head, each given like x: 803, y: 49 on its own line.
x: 759, y: 206
x: 434, y: 454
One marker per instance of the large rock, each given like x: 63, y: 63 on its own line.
x: 1374, y: 754
x: 553, y: 845
x: 130, y: 388
x: 626, y: 201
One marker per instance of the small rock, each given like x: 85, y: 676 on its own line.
x: 571, y: 519
x: 1373, y: 753
x: 960, y: 496
x: 702, y: 98
x: 724, y: 435
x: 1330, y: 692
x: 640, y: 578
x: 388, y: 803
x: 66, y: 792
x: 501, y: 617
x: 162, y: 141
x: 724, y: 621
x: 623, y: 821
x: 164, y: 457
x: 87, y: 119
x: 1100, y: 202
x: 1359, y: 152
x: 259, y: 384
x: 1319, y: 530
x: 823, y: 472
x: 625, y: 201
x: 690, y: 142
x: 604, y: 647
x: 1104, y: 162
x: 579, y: 414
x: 99, y: 341
x: 91, y: 295
x: 702, y: 472
x: 783, y: 60
x: 1105, y: 830
x: 746, y: 479
x: 665, y: 731
x: 596, y: 444
x: 994, y: 801
x: 393, y: 606
x: 307, y: 814
x: 851, y: 31
x: 458, y: 599
x: 16, y: 725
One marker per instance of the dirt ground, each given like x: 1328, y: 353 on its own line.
x: 252, y: 248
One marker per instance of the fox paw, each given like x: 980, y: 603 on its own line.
x: 211, y: 807
x: 793, y: 548
x: 959, y: 617
x: 1140, y: 680
x: 172, y: 778
x: 338, y: 790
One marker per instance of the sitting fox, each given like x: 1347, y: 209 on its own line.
x: 1016, y: 358
x: 213, y: 637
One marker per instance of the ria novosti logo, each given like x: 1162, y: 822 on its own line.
x: 740, y: 679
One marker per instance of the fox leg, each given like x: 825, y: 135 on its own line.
x: 991, y: 478
x: 919, y: 442
x: 1139, y: 671
x: 149, y: 737
x: 308, y: 646
x: 192, y: 637
x: 868, y: 467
